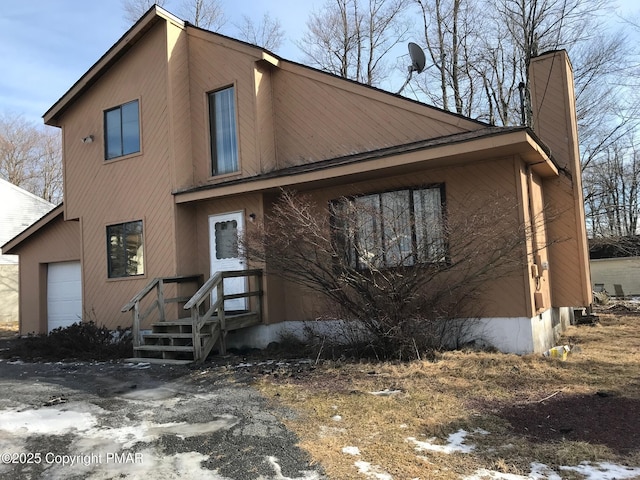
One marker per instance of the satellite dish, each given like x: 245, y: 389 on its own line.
x: 418, y: 62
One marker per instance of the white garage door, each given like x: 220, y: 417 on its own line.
x: 64, y: 294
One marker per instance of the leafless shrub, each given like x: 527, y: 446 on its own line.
x: 416, y: 290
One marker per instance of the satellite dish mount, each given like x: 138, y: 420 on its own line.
x: 418, y: 62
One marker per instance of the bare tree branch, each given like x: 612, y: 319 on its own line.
x: 31, y: 157
x: 134, y: 9
x: 267, y: 34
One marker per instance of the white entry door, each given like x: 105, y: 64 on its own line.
x: 224, y: 232
x: 64, y: 294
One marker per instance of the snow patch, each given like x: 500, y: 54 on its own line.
x: 604, y: 471
x: 455, y: 444
x: 273, y: 461
x: 49, y: 421
x: 386, y: 392
x: 539, y: 471
x: 351, y: 450
x: 372, y: 471
x: 139, y: 366
x: 72, y: 418
x: 154, y: 465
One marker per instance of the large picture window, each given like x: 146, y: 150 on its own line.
x: 222, y: 126
x: 391, y: 229
x: 125, y: 252
x: 122, y: 130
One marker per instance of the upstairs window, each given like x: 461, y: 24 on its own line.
x: 222, y: 131
x: 122, y: 130
x: 391, y: 229
x: 125, y: 250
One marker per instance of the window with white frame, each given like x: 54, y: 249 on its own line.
x: 125, y: 249
x: 391, y: 229
x: 222, y: 131
x: 122, y: 130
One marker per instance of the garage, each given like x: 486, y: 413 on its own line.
x: 64, y: 294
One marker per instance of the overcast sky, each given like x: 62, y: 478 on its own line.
x: 46, y: 45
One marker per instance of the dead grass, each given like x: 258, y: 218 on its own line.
x: 472, y: 390
x: 8, y: 330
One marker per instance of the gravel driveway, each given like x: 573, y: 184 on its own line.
x: 127, y: 421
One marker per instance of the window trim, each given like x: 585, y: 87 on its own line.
x: 350, y: 243
x: 213, y: 155
x: 109, y: 159
x: 108, y: 251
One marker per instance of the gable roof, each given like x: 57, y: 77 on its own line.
x: 120, y: 48
x: 156, y: 14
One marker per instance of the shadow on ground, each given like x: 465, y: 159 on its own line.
x: 601, y: 418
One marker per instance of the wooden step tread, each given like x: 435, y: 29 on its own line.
x: 160, y: 361
x: 164, y: 348
x: 180, y: 322
x: 173, y: 335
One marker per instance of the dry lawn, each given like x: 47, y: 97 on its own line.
x: 535, y: 409
x: 8, y: 329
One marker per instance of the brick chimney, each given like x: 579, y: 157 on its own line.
x: 553, y: 108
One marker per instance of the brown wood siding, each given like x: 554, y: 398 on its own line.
x: 566, y: 270
x: 536, y: 218
x: 179, y: 107
x: 213, y: 66
x: 59, y: 241
x: 136, y: 187
x: 316, y: 120
x: 465, y: 187
x: 553, y: 105
x: 288, y: 114
x: 264, y: 119
x: 179, y: 117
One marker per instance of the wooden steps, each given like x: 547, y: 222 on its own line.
x: 172, y: 341
x: 176, y: 341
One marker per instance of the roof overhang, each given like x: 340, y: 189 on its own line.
x: 10, y: 247
x: 154, y: 15
x: 459, y: 149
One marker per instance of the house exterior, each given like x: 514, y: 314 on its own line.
x: 178, y: 138
x: 18, y: 210
x: 615, y: 264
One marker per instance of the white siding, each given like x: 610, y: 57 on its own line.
x: 610, y: 272
x: 18, y: 210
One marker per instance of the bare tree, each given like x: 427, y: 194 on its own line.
x: 134, y: 9
x: 352, y: 38
x: 267, y: 33
x: 449, y: 29
x: 48, y: 183
x: 31, y: 157
x: 207, y: 14
x: 612, y: 191
x: 407, y: 279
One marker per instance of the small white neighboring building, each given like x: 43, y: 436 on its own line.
x: 18, y: 210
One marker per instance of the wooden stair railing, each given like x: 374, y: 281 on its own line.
x: 200, y: 320
x: 158, y: 304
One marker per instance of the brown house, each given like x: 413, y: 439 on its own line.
x: 178, y: 138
